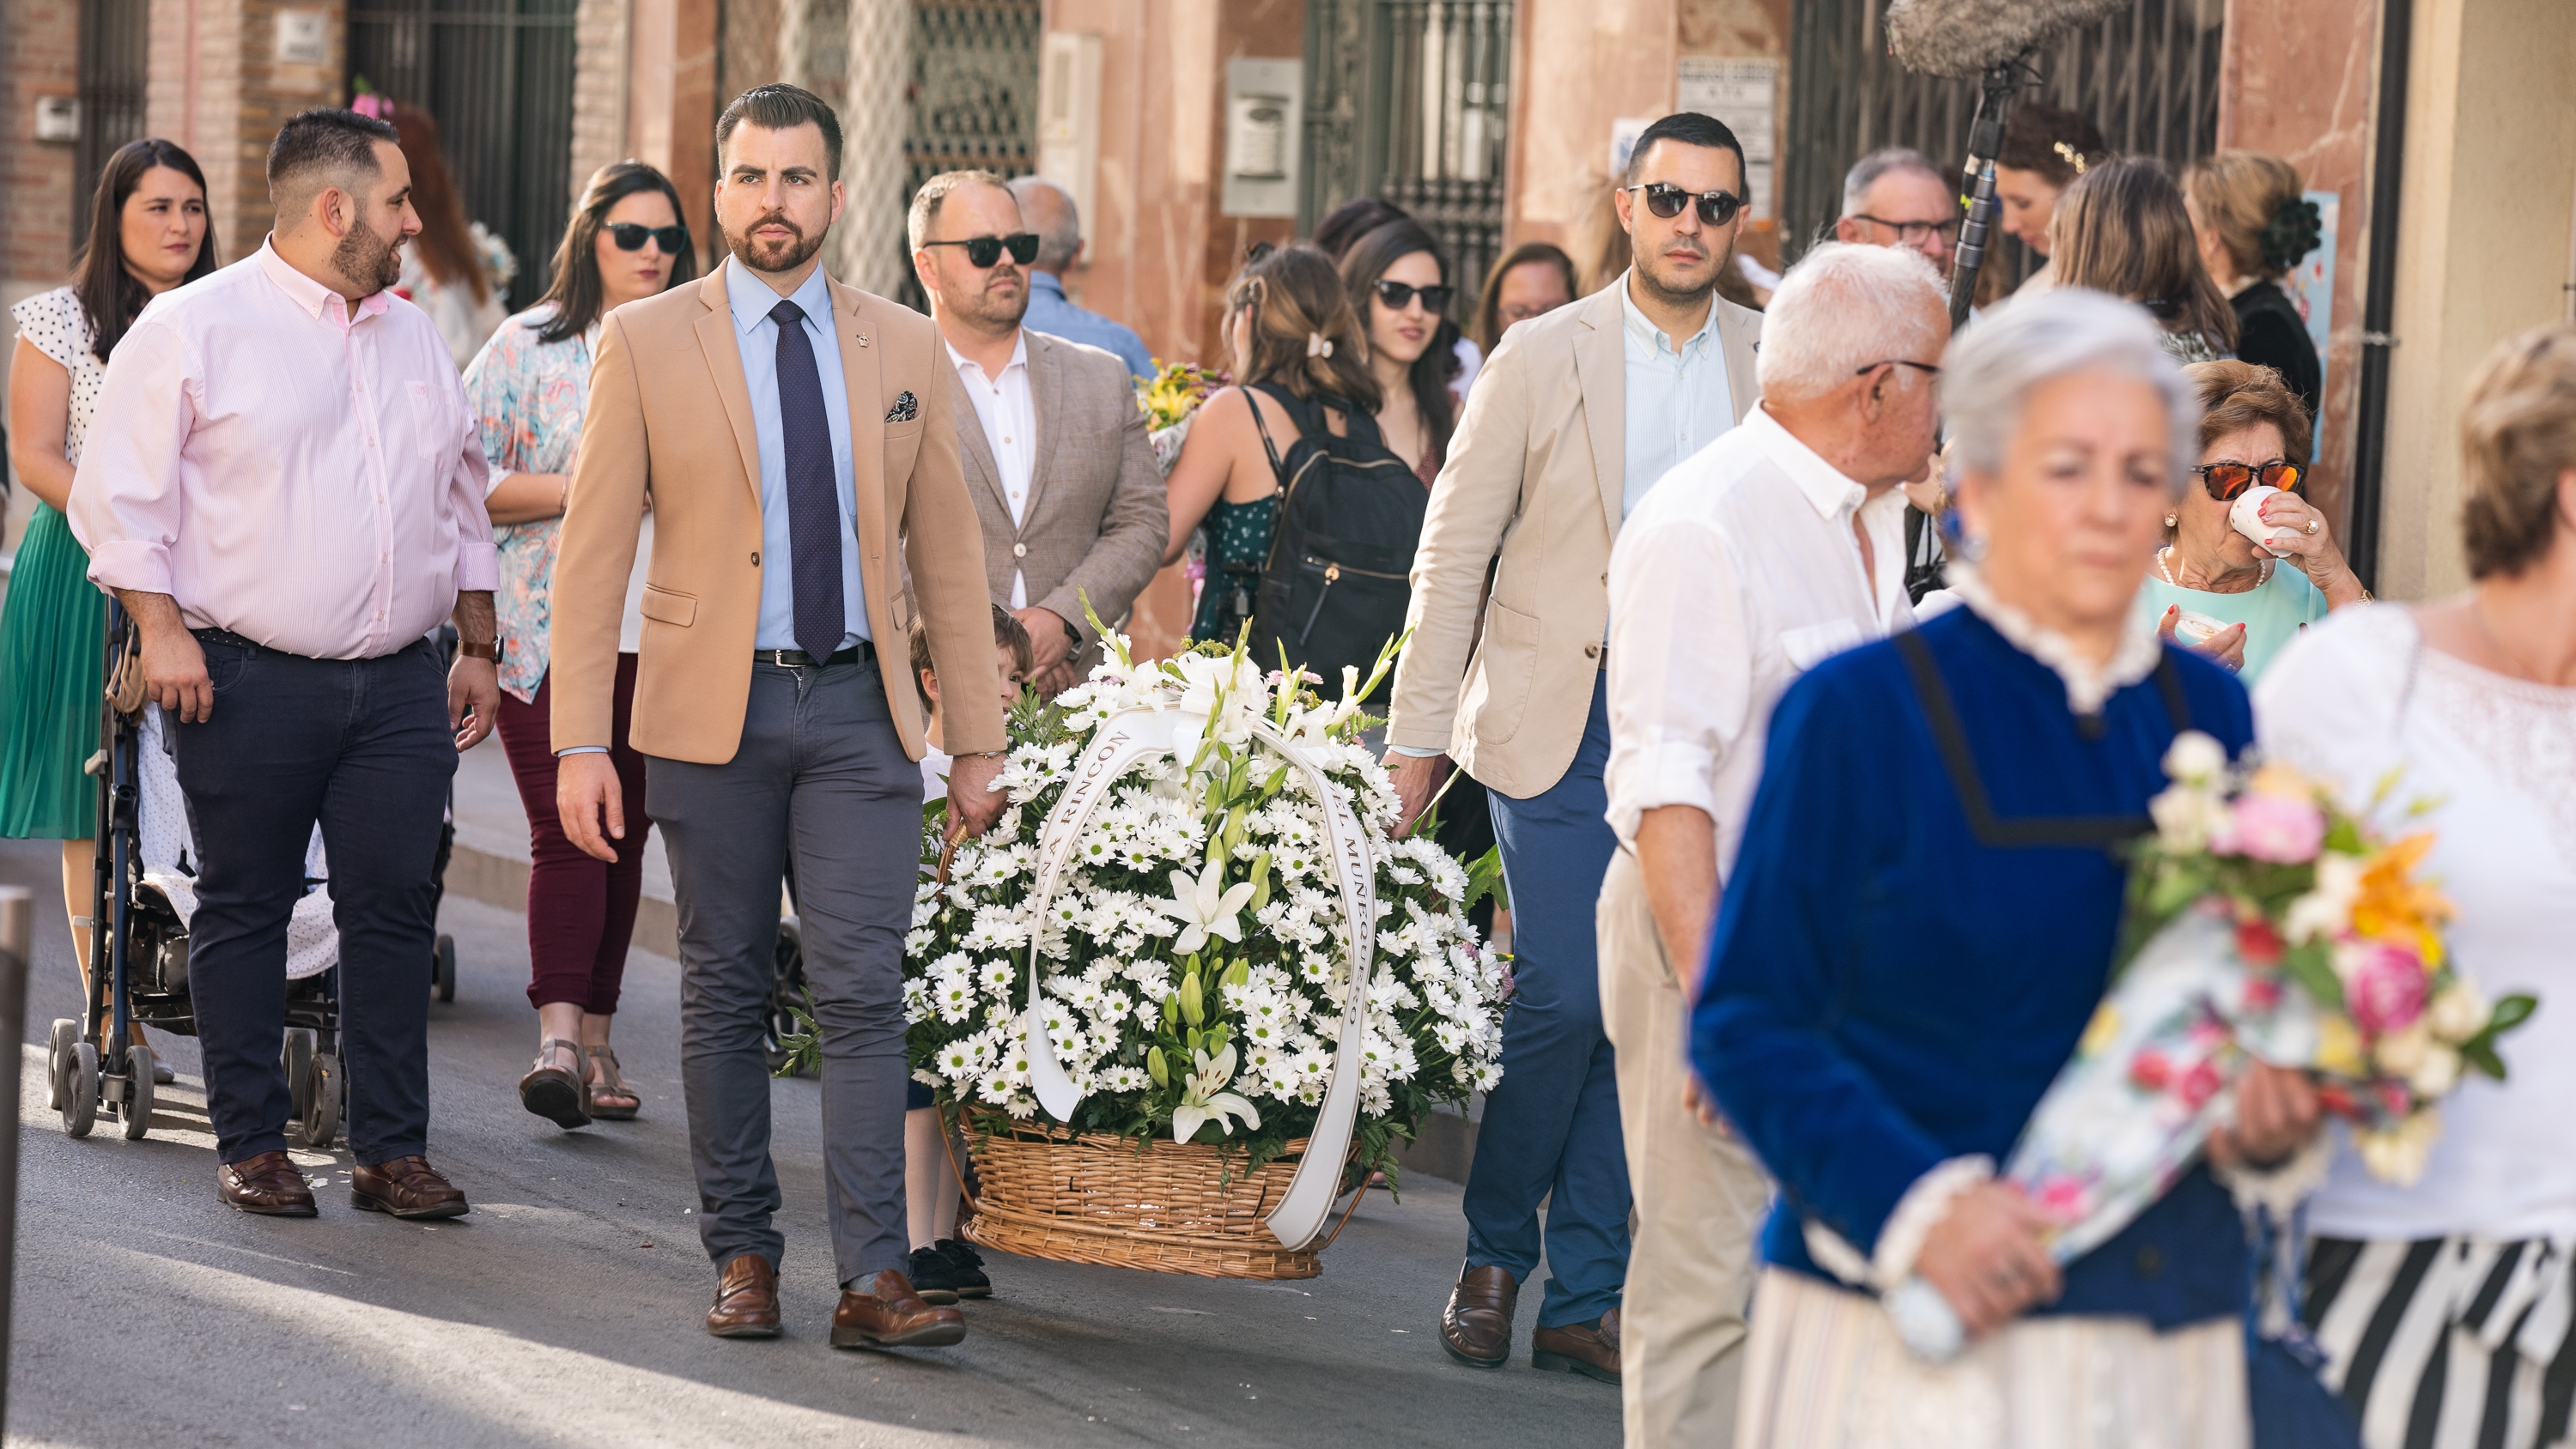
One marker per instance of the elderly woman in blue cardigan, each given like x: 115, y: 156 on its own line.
x: 1923, y: 919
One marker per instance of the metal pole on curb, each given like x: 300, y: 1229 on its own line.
x: 17, y: 919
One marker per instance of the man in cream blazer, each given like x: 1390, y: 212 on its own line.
x: 791, y: 435
x: 1575, y: 417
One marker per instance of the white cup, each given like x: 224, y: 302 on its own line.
x: 2247, y: 518
x: 2196, y: 628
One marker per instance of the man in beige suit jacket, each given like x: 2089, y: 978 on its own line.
x: 790, y: 435
x: 1575, y: 417
x: 1057, y: 458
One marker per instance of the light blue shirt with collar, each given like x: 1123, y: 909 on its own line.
x: 1051, y: 312
x: 1678, y: 401
x: 756, y: 337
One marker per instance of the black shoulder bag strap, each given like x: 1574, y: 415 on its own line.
x: 1252, y: 400
x: 2099, y: 832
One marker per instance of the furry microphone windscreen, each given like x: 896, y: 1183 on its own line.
x: 1963, y: 38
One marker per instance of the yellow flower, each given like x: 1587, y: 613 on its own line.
x: 2393, y: 905
x: 2281, y: 780
x: 2100, y: 1032
x: 2339, y: 1047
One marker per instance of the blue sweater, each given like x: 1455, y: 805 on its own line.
x: 1886, y: 992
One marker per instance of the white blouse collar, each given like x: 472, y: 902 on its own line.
x: 2088, y: 686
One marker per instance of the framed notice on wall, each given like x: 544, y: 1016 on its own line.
x: 1745, y: 95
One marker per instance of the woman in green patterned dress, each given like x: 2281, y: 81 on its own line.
x: 148, y: 233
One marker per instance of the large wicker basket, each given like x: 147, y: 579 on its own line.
x: 1159, y: 1206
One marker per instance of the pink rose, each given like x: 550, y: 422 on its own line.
x: 2198, y: 1085
x: 2271, y: 827
x: 2385, y: 990
x: 2062, y: 1198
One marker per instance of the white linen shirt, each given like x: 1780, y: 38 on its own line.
x: 1678, y: 401
x: 1735, y: 575
x: 1010, y: 418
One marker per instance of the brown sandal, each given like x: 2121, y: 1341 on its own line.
x: 610, y: 1098
x: 552, y: 1092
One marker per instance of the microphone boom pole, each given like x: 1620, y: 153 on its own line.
x: 1985, y: 138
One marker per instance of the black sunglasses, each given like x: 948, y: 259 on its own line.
x: 984, y: 251
x: 1397, y: 296
x: 1716, y: 208
x: 631, y: 237
x: 2227, y: 482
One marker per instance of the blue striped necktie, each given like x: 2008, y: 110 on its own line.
x: 813, y: 502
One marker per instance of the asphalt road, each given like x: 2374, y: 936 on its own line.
x: 565, y: 1309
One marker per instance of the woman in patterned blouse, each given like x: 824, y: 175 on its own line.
x: 529, y: 386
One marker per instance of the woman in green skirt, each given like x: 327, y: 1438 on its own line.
x: 148, y: 233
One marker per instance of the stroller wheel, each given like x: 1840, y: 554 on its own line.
x: 442, y: 970
x: 138, y: 1092
x: 317, y: 1117
x: 80, y: 1089
x: 66, y: 1032
x: 297, y: 1057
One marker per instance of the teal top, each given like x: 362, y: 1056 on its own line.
x: 1238, y: 547
x: 2273, y: 611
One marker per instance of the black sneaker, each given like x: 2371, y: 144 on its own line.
x: 933, y: 1276
x: 966, y: 1269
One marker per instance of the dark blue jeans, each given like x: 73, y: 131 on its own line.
x: 1552, y: 1124
x: 362, y: 746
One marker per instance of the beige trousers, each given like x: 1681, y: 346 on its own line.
x: 1699, y: 1195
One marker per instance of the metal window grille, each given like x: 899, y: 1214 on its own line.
x: 112, y: 66
x: 974, y: 95
x: 1407, y: 100
x: 498, y: 77
x: 2148, y: 77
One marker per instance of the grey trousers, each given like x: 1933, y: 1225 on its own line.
x: 820, y: 783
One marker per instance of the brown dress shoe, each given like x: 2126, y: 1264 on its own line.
x: 1589, y: 1349
x: 407, y: 1187
x: 1477, y: 1326
x: 888, y: 1314
x: 746, y: 1299
x: 268, y: 1184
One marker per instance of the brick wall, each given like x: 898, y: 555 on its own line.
x: 42, y: 59
x: 217, y: 90
x: 600, y: 49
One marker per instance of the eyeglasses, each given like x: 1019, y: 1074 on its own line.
x: 1914, y: 233
x: 1397, y: 296
x: 1925, y: 368
x: 984, y: 251
x: 1716, y: 208
x: 2227, y: 482
x: 631, y: 238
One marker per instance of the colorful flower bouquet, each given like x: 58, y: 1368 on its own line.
x: 1157, y: 940
x: 2265, y: 922
x: 1169, y: 399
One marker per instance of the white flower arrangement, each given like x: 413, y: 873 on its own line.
x: 1191, y: 963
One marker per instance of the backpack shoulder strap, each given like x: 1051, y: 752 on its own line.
x: 1252, y: 400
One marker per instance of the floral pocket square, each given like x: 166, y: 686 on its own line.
x: 906, y: 408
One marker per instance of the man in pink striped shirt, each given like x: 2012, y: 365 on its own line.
x: 287, y: 495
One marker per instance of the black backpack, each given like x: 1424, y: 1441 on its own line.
x: 1339, y: 577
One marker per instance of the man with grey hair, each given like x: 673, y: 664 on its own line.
x: 1048, y: 210
x: 1897, y: 197
x: 1761, y: 554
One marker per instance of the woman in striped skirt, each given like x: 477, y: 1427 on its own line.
x: 2449, y: 1309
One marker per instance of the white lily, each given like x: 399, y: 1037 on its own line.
x: 1204, y: 1099
x: 1207, y: 906
x: 2325, y: 910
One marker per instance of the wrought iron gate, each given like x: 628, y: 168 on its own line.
x: 1407, y: 100
x: 974, y: 95
x: 112, y: 67
x: 497, y: 75
x: 2147, y: 77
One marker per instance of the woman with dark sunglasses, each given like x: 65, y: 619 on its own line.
x: 529, y: 387
x: 1398, y: 280
x: 2213, y: 588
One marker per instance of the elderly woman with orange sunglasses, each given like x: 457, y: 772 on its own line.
x: 2215, y: 589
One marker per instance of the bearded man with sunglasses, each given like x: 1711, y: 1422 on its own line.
x: 801, y: 459
x: 1056, y: 454
x: 1577, y: 416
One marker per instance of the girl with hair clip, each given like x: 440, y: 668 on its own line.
x: 1296, y: 347
x: 2252, y: 226
x: 2045, y: 149
x: 148, y: 233
x: 2122, y: 228
x: 529, y: 387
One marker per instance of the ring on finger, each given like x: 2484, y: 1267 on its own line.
x: 2312, y: 527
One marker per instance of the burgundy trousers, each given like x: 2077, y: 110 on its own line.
x: 581, y: 911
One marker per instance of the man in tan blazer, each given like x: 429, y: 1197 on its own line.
x: 1576, y: 416
x: 1057, y: 459
x: 790, y: 435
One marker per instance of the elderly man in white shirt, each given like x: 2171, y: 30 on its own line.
x: 1777, y: 545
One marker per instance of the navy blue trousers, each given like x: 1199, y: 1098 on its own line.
x: 1551, y: 1125
x: 362, y: 746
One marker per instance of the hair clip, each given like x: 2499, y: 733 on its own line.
x: 2073, y: 157
x: 1318, y: 345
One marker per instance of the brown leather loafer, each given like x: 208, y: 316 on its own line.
x: 268, y: 1184
x: 1589, y: 1349
x: 407, y: 1187
x: 888, y: 1314
x: 746, y: 1299
x: 1476, y: 1328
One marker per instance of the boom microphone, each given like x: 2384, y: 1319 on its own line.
x: 1965, y: 38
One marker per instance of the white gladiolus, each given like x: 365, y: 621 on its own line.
x: 2458, y: 1014
x: 2402, y: 1053
x: 2327, y: 907
x: 2437, y: 1074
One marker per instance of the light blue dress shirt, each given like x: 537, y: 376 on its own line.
x: 1678, y: 402
x: 1054, y: 314
x: 757, y: 339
